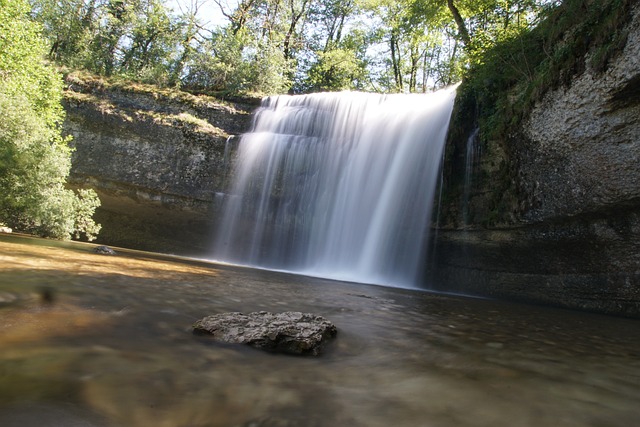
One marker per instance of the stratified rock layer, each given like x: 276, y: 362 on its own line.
x: 288, y: 332
x: 157, y: 159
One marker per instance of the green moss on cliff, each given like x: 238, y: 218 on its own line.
x: 502, y: 86
x: 83, y: 81
x: 135, y: 103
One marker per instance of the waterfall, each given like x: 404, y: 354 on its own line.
x: 471, y: 157
x: 337, y: 185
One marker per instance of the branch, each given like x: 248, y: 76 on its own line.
x: 462, y: 27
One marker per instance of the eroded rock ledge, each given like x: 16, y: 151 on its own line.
x: 156, y: 158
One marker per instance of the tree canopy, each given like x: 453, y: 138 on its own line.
x: 274, y: 46
x: 34, y: 158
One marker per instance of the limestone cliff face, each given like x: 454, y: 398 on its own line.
x: 156, y: 159
x: 583, y: 142
x: 572, y: 233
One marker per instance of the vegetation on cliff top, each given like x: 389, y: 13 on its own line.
x: 278, y: 46
x: 34, y: 158
x: 505, y: 81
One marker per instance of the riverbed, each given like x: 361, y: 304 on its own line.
x: 98, y: 340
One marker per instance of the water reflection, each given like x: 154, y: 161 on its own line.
x: 114, y: 348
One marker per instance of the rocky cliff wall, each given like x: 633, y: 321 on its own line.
x: 550, y: 216
x: 569, y: 234
x: 583, y: 142
x: 156, y: 159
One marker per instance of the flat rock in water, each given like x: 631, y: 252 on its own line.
x: 288, y: 332
x: 104, y: 250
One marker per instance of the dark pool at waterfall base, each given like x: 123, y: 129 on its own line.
x: 95, y: 340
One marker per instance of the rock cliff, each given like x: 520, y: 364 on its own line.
x: 156, y: 159
x: 550, y: 214
x: 569, y: 232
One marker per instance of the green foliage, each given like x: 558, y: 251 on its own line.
x: 84, y: 206
x: 153, y: 37
x: 272, y: 46
x: 218, y: 64
x: 271, y: 72
x: 68, y: 25
x: 34, y: 158
x: 335, y: 69
x: 21, y: 69
x: 237, y: 64
x: 138, y: 39
x: 522, y: 64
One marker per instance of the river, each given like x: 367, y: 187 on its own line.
x: 96, y: 340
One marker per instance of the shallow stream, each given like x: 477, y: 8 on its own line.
x: 96, y: 340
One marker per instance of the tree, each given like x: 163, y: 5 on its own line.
x: 140, y: 39
x: 335, y: 69
x: 69, y: 25
x: 413, y: 44
x: 430, y: 43
x: 189, y: 29
x: 147, y: 56
x: 238, y: 18
x: 34, y: 158
x: 283, y: 45
x: 463, y: 33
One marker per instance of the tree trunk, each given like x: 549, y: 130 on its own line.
x: 395, y: 61
x: 295, y: 17
x: 239, y: 18
x: 463, y: 33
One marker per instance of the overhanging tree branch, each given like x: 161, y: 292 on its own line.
x: 463, y: 33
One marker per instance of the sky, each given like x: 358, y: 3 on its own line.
x: 209, y: 11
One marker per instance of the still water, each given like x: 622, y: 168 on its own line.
x: 95, y: 340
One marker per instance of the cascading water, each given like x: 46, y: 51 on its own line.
x: 338, y: 185
x: 470, y: 159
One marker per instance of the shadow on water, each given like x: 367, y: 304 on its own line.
x: 93, y: 340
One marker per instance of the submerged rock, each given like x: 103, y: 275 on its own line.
x: 104, y: 250
x: 288, y: 332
